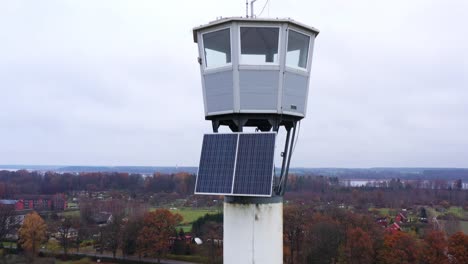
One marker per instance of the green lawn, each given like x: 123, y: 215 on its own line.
x: 190, y: 214
x: 186, y: 228
x: 71, y: 213
x: 457, y: 211
x: 9, y: 244
x: 381, y: 211
x: 464, y: 226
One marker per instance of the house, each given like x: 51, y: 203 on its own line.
x: 71, y: 234
x: 8, y: 203
x: 102, y: 218
x: 401, y: 218
x: 382, y: 221
x: 56, y: 202
x: 394, y: 227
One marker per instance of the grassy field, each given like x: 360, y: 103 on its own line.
x: 383, y: 211
x: 457, y: 211
x: 464, y: 226
x: 190, y: 214
x: 71, y: 213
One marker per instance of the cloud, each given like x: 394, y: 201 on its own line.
x: 117, y: 82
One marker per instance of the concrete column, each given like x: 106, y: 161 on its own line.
x: 253, y: 230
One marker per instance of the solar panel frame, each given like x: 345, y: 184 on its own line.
x: 238, y: 135
x: 255, y: 165
x: 211, y: 174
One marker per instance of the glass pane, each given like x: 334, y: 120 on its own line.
x: 217, y: 46
x: 298, y: 49
x: 259, y: 45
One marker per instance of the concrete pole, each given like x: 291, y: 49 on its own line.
x: 253, y: 230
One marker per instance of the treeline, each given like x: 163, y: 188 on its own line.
x: 25, y: 182
x: 333, y: 235
x: 393, y: 194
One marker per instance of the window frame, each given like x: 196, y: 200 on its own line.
x: 256, y: 25
x: 297, y: 30
x: 204, y: 60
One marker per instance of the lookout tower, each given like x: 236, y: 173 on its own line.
x: 255, y: 73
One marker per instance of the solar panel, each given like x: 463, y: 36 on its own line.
x: 254, y: 166
x: 217, y: 164
x: 239, y: 164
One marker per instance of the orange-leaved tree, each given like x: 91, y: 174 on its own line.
x: 458, y: 248
x: 435, y: 248
x: 32, y: 232
x: 158, y: 227
x: 358, y: 247
x: 399, y: 247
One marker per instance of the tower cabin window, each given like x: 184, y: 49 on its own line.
x: 217, y: 48
x: 298, y: 50
x: 259, y: 45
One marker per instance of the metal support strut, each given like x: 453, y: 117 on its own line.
x: 281, y: 188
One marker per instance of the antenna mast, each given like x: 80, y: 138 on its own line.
x: 252, y: 8
x: 247, y: 8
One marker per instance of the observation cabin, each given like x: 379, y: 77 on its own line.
x: 255, y: 72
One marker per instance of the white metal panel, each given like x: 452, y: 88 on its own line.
x: 294, y: 92
x: 219, y: 91
x: 258, y: 90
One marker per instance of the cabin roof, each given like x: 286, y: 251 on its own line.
x: 252, y: 20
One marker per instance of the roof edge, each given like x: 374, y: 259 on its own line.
x: 243, y: 19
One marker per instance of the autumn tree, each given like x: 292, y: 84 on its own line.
x: 154, y: 237
x: 293, y: 231
x: 458, y: 248
x: 399, y: 247
x: 324, y: 236
x: 358, y: 248
x: 32, y: 232
x: 434, y: 248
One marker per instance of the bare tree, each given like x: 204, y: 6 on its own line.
x: 9, y: 221
x: 113, y: 233
x: 64, y: 234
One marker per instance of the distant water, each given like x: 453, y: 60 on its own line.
x: 365, y: 182
x: 123, y: 169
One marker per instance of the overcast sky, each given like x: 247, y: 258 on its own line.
x: 89, y: 82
